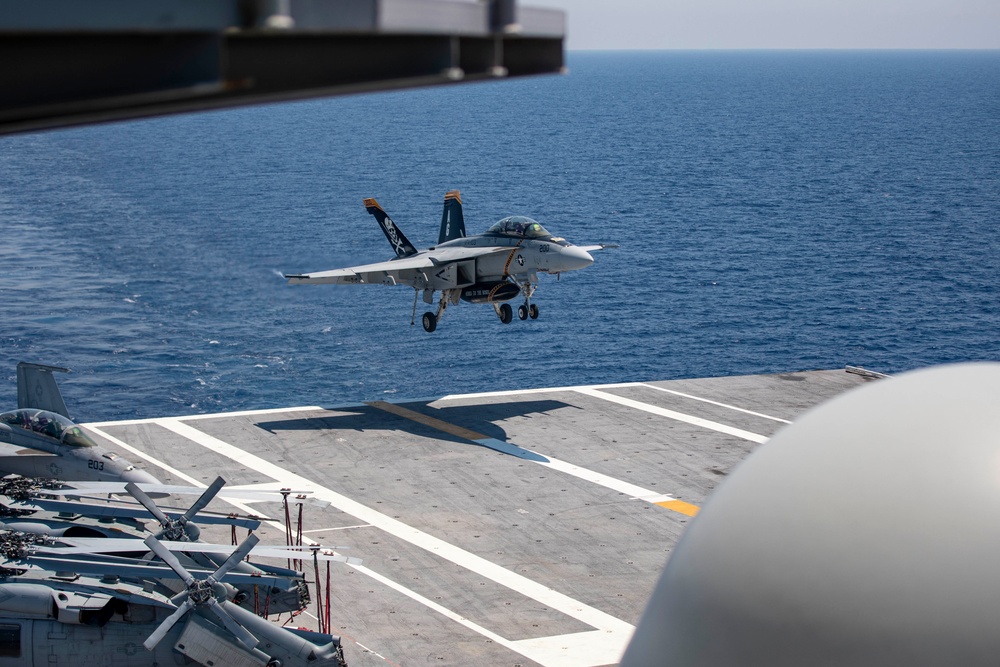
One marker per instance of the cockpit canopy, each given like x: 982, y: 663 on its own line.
x: 49, y: 424
x: 520, y: 226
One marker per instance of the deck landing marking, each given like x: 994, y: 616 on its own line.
x: 211, y: 415
x: 612, y: 483
x: 426, y: 420
x: 711, y: 402
x: 679, y: 506
x: 671, y: 414
x: 613, y: 633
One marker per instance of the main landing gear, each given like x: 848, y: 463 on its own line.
x: 505, y: 313
x: 429, y: 319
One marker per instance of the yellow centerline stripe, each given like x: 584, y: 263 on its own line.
x: 675, y: 505
x: 421, y: 418
x: 679, y: 506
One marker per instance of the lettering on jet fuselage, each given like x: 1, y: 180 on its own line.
x: 544, y: 247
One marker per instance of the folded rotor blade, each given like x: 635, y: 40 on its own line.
x: 204, y: 499
x: 119, y: 512
x: 168, y: 558
x: 133, y: 489
x: 242, y: 634
x: 249, y: 493
x: 241, y: 552
x: 129, y: 570
x: 110, y: 545
x: 163, y: 628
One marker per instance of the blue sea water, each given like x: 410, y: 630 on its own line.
x: 777, y: 211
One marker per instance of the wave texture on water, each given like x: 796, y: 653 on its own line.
x: 776, y: 212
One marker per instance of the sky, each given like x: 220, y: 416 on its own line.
x: 779, y: 24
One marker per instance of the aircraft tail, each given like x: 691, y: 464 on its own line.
x: 36, y: 388
x: 452, y: 221
x: 396, y: 238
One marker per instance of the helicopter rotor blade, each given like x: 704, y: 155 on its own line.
x: 170, y: 559
x: 204, y: 499
x: 133, y: 490
x: 241, y: 552
x: 163, y: 628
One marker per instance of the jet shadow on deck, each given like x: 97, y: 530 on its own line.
x: 464, y: 424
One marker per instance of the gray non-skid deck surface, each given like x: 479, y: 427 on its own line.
x: 474, y: 552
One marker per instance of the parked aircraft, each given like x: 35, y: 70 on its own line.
x: 493, y: 267
x: 40, y: 440
x: 53, y: 617
x: 114, y: 597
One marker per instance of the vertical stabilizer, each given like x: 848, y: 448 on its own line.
x: 452, y: 221
x: 36, y: 388
x: 396, y: 238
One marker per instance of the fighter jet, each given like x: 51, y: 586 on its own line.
x: 40, y: 440
x: 492, y: 267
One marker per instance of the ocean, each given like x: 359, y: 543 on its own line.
x: 776, y: 211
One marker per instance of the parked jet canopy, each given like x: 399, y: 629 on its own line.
x: 48, y: 424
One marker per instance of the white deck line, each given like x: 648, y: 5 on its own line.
x: 600, y: 648
x: 585, y: 649
x: 540, y: 390
x: 96, y: 428
x: 587, y: 475
x: 671, y: 414
x: 213, y: 415
x: 711, y: 402
x: 617, y: 385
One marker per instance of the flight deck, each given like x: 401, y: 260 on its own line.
x: 514, y: 528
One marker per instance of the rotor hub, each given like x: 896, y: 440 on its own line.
x: 200, y: 592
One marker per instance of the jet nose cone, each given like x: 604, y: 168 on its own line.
x: 574, y: 258
x: 139, y: 477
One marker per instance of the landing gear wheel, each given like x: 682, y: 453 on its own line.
x: 522, y: 312
x: 430, y: 322
x: 506, y: 314
x: 533, y: 311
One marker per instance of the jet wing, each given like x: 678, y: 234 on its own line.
x: 392, y: 272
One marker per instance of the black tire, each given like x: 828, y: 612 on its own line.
x: 533, y: 311
x: 430, y: 322
x: 522, y: 312
x: 506, y: 314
